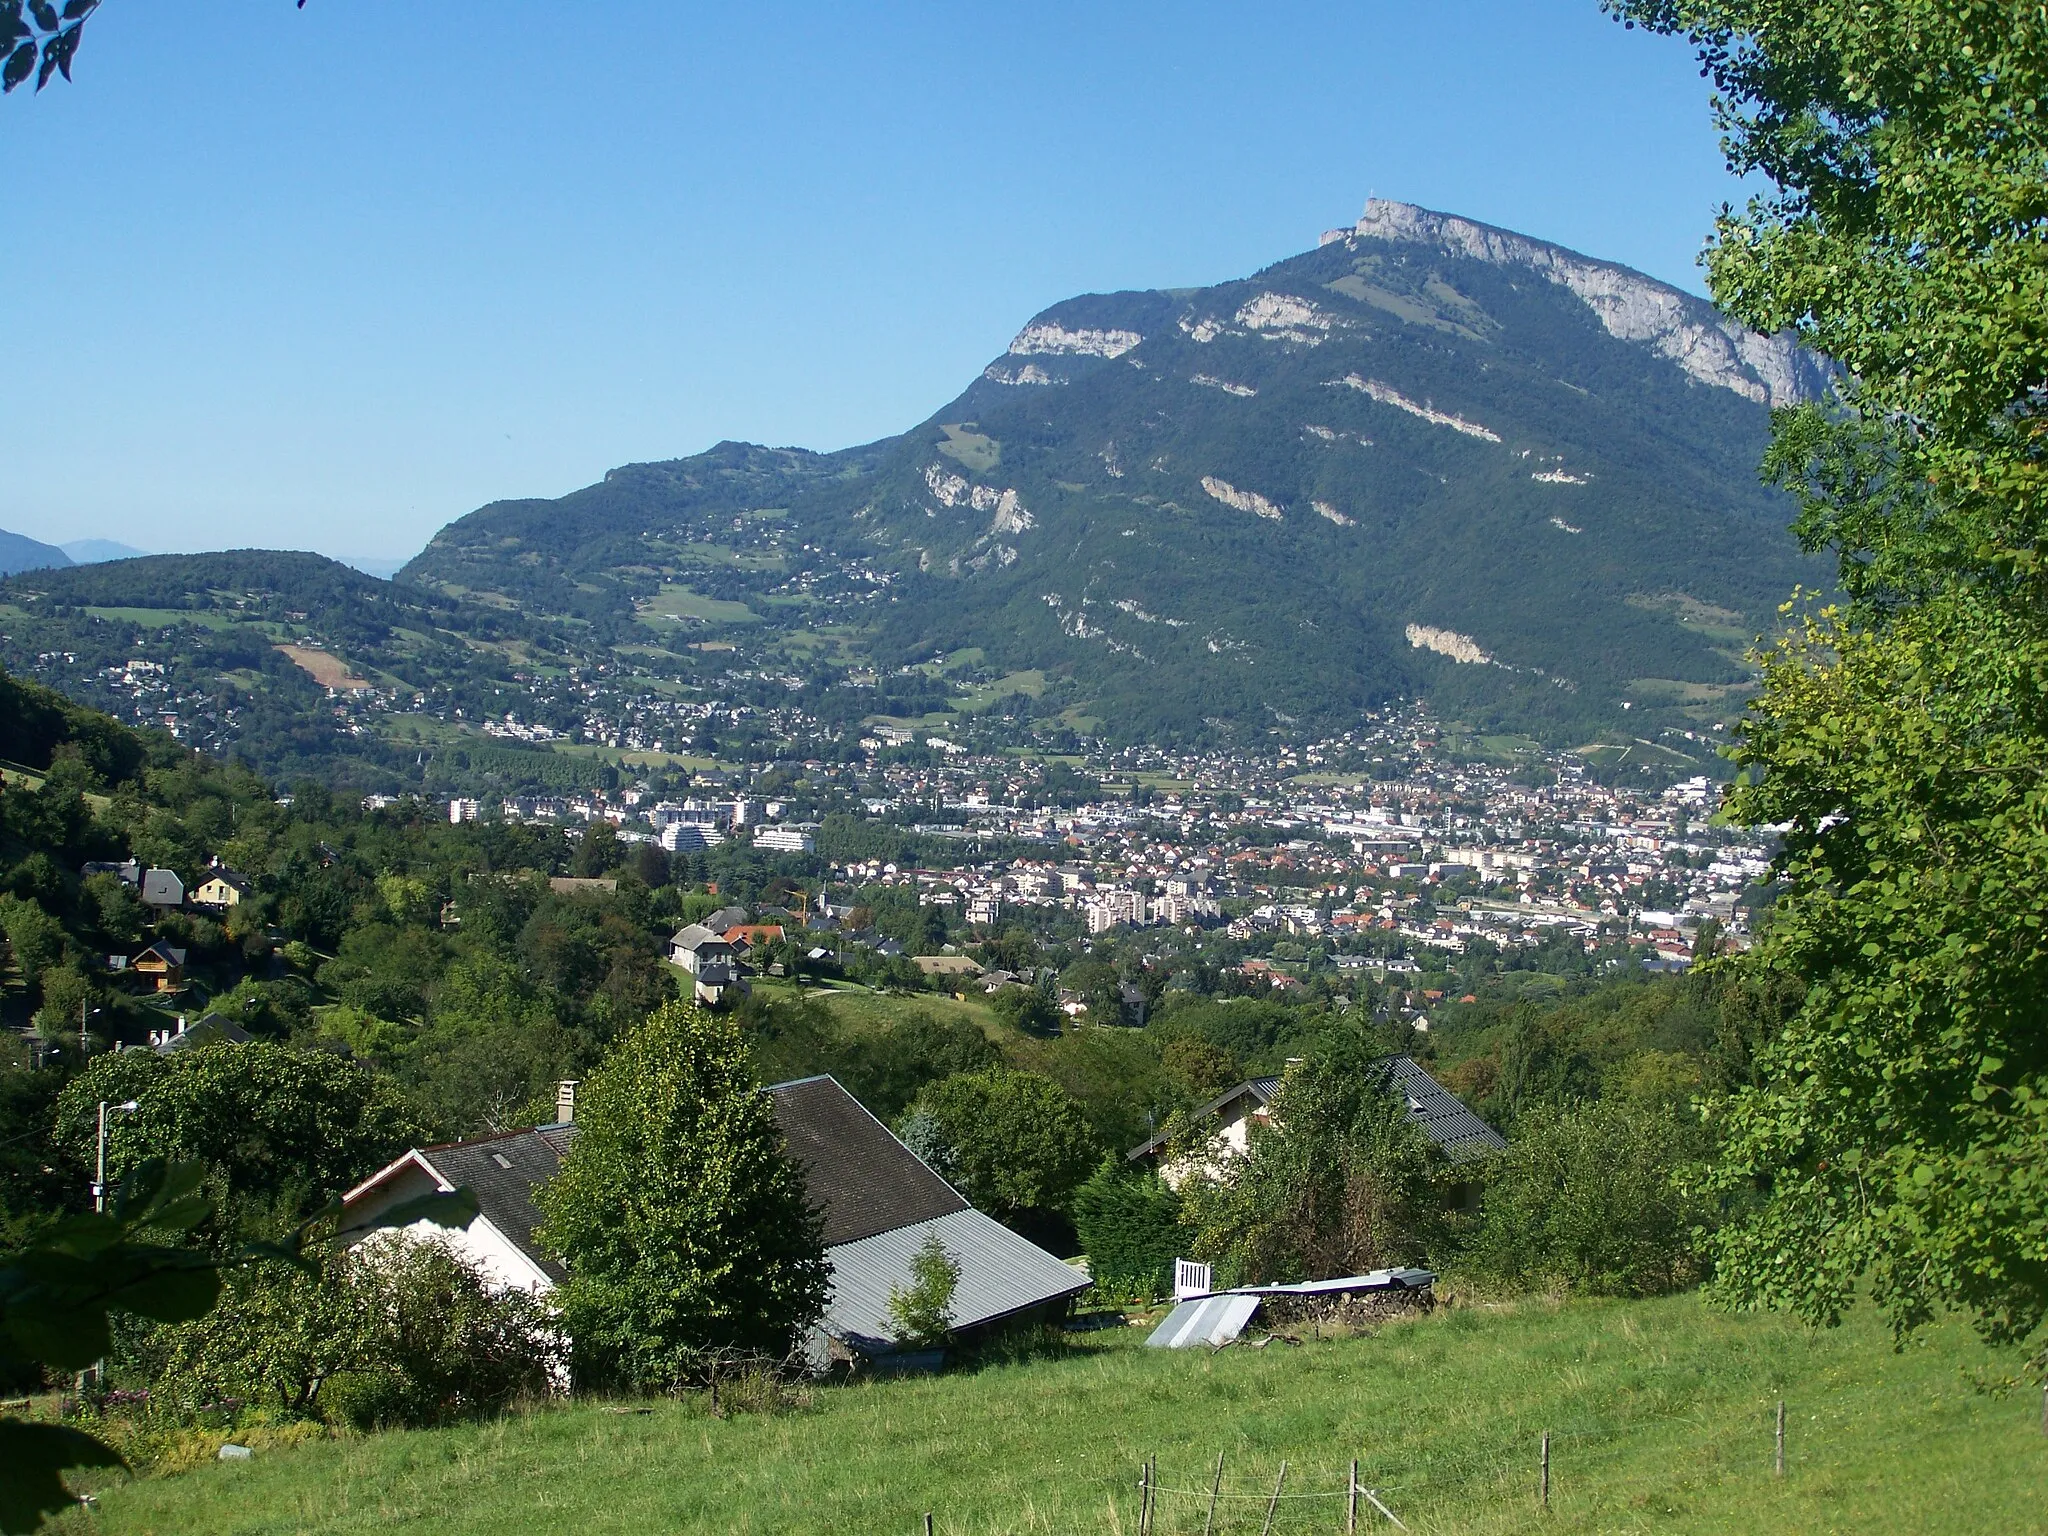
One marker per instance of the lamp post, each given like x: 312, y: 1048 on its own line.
x: 99, y: 1183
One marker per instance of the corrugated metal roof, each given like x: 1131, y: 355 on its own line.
x: 1374, y: 1280
x: 1213, y: 1320
x: 1443, y: 1117
x: 1000, y: 1274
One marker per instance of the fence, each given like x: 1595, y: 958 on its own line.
x: 1372, y: 1501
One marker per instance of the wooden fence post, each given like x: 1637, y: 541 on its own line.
x: 1274, y: 1502
x: 1145, y: 1497
x: 1351, y: 1502
x: 1544, y: 1465
x: 1779, y: 1465
x: 927, y: 1523
x: 1215, y: 1490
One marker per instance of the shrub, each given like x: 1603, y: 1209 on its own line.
x: 1588, y: 1200
x: 1130, y: 1228
x: 922, y: 1313
x: 1338, y: 1184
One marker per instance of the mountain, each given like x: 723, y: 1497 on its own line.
x: 18, y: 552
x: 93, y: 551
x: 1426, y: 457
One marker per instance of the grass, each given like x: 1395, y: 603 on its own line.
x: 1660, y: 1414
x: 163, y: 618
x: 679, y: 602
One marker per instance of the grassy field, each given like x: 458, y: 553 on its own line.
x: 679, y: 602
x: 1660, y: 1415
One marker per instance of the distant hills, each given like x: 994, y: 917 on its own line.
x: 18, y: 552
x: 94, y: 551
x: 1426, y: 457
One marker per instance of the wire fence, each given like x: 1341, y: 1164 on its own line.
x: 1399, y: 1486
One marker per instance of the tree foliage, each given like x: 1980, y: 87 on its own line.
x: 1017, y: 1142
x: 1589, y: 1200
x: 921, y: 1313
x: 273, y: 1122
x: 1338, y: 1183
x: 1130, y: 1227
x: 684, y: 1224
x: 1900, y: 1129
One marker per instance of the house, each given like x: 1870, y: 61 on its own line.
x: 1441, y: 1116
x: 128, y: 873
x: 747, y: 936
x: 214, y: 1029
x: 162, y: 964
x: 711, y: 961
x: 162, y: 888
x: 222, y: 888
x: 877, y: 1200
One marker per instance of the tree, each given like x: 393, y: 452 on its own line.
x: 60, y: 1292
x: 683, y: 1223
x: 921, y: 1314
x: 1339, y: 1183
x: 1589, y: 1199
x: 1899, y: 1127
x: 273, y: 1122
x: 1130, y: 1228
x: 1018, y: 1142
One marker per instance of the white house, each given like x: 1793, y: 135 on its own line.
x: 710, y: 959
x: 1440, y: 1115
x: 877, y: 1200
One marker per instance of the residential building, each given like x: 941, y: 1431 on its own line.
x: 878, y: 1201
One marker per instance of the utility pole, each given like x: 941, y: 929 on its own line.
x: 99, y: 1182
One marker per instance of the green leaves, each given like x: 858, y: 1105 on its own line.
x: 58, y: 1295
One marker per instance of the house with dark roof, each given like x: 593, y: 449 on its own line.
x: 163, y: 963
x: 711, y: 960
x: 1440, y: 1115
x: 162, y: 888
x: 877, y: 1200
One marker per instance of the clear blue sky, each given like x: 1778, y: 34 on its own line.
x: 329, y: 278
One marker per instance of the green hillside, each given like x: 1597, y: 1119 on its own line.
x: 1661, y: 1415
x: 1271, y: 502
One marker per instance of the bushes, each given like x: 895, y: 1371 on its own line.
x: 1130, y: 1228
x: 1586, y: 1200
x: 444, y: 1343
x: 1340, y: 1183
x: 397, y: 1332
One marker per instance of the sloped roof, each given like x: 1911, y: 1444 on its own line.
x: 1440, y: 1114
x: 694, y: 937
x: 504, y: 1171
x: 860, y: 1177
x: 1001, y: 1274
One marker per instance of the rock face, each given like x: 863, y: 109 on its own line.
x: 1771, y: 370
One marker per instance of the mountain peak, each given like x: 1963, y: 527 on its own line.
x: 1771, y: 370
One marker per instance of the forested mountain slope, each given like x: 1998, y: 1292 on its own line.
x: 1425, y: 457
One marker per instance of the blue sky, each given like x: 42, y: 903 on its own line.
x: 330, y: 278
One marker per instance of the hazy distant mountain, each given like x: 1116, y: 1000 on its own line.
x: 18, y: 552
x: 1427, y: 456
x: 94, y: 551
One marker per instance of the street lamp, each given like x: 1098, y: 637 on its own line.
x: 99, y: 1183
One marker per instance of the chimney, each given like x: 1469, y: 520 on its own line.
x: 565, y: 1101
